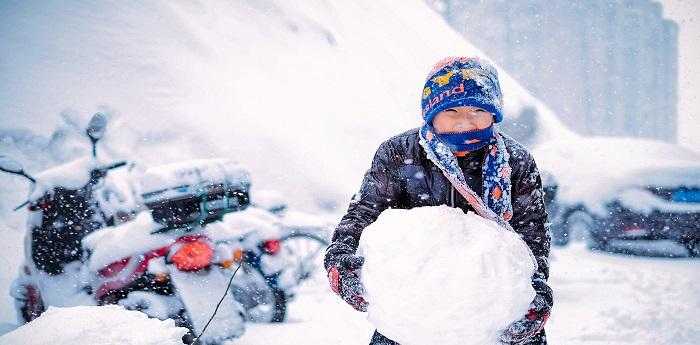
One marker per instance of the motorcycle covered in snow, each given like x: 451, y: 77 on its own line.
x: 194, y: 225
x: 169, y: 262
x: 66, y: 203
x: 199, y: 226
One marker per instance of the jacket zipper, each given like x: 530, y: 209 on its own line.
x: 452, y: 195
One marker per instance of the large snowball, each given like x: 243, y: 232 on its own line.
x: 89, y: 325
x: 435, y: 275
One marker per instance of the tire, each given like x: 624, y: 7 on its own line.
x: 280, y: 311
x: 261, y: 299
x: 693, y: 247
x: 570, y: 220
x: 308, y: 248
x: 32, y: 306
x: 597, y: 242
x: 582, y: 221
x: 311, y: 235
x: 560, y: 234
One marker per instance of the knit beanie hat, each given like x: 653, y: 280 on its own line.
x: 462, y: 81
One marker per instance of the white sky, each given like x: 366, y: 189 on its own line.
x: 685, y: 13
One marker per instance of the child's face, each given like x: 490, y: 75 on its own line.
x: 462, y: 119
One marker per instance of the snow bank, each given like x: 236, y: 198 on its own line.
x: 107, y: 325
x: 262, y: 83
x: 437, y: 276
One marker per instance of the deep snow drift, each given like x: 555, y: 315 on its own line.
x: 301, y: 95
x: 434, y: 275
x: 107, y: 325
x: 261, y: 82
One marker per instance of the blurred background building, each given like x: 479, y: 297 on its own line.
x: 606, y: 67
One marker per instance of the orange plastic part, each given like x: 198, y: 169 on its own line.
x: 193, y: 256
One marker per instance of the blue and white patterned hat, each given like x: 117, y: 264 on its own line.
x: 462, y: 81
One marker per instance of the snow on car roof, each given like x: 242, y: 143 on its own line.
x: 590, y: 170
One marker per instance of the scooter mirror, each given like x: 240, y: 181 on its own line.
x: 97, y: 126
x: 10, y: 165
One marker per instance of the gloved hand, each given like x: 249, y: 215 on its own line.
x: 344, y: 277
x: 522, y: 330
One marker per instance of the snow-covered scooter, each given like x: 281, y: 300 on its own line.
x: 199, y: 227
x: 66, y: 203
x: 73, y: 201
x: 171, y: 261
x: 193, y: 228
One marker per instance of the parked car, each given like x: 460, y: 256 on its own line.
x: 642, y: 190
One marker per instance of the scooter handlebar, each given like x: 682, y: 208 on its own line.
x: 114, y: 165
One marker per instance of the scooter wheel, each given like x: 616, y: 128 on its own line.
x: 693, y: 247
x: 33, y: 306
x: 280, y: 311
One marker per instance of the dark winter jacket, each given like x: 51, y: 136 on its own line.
x: 401, y: 176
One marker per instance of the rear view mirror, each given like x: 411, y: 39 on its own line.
x: 97, y: 126
x: 96, y: 129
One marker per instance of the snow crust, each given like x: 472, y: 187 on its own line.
x: 435, y: 275
x: 88, y: 325
x: 253, y: 223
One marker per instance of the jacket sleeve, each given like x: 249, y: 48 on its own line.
x: 379, y: 191
x: 530, y: 220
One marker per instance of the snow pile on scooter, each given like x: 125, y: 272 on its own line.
x: 434, y: 275
x: 107, y: 325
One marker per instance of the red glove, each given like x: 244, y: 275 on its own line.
x: 344, y: 278
x: 522, y: 330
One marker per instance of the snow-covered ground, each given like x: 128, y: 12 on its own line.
x: 616, y: 299
x: 600, y: 298
x: 89, y: 325
x: 301, y: 95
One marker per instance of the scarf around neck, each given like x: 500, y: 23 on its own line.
x: 495, y: 200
